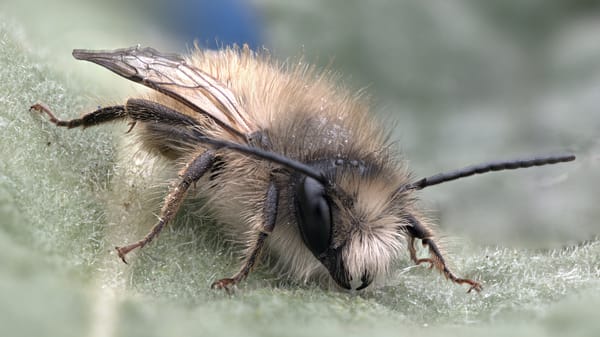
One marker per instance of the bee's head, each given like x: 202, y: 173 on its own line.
x: 352, y: 225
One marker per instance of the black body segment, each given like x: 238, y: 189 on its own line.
x: 314, y: 215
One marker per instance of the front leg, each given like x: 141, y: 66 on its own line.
x: 269, y: 218
x: 417, y: 230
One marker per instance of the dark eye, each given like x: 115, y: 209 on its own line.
x: 314, y: 215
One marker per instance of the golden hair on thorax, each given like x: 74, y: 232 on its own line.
x: 289, y: 162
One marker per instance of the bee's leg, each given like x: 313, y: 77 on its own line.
x: 269, y: 218
x: 191, y: 173
x: 168, y: 131
x: 419, y: 231
x: 136, y: 109
x: 99, y: 116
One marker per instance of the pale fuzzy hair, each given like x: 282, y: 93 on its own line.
x: 307, y: 117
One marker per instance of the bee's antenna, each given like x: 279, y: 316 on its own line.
x: 268, y: 155
x: 484, y: 168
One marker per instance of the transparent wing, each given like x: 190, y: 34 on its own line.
x: 172, y: 76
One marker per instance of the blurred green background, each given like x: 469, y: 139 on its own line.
x: 463, y: 81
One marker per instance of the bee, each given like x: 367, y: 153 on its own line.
x: 289, y: 162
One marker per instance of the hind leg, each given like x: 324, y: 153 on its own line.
x: 99, y: 116
x: 166, y: 124
x: 135, y: 109
x: 168, y: 131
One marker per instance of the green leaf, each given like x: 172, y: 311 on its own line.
x: 67, y: 197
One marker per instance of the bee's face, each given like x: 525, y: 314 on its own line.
x: 352, y: 228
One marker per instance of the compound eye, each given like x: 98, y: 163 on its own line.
x: 314, y: 215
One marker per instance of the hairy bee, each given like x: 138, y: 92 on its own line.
x: 281, y: 153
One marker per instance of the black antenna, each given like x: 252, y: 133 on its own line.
x: 271, y: 156
x: 484, y: 168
